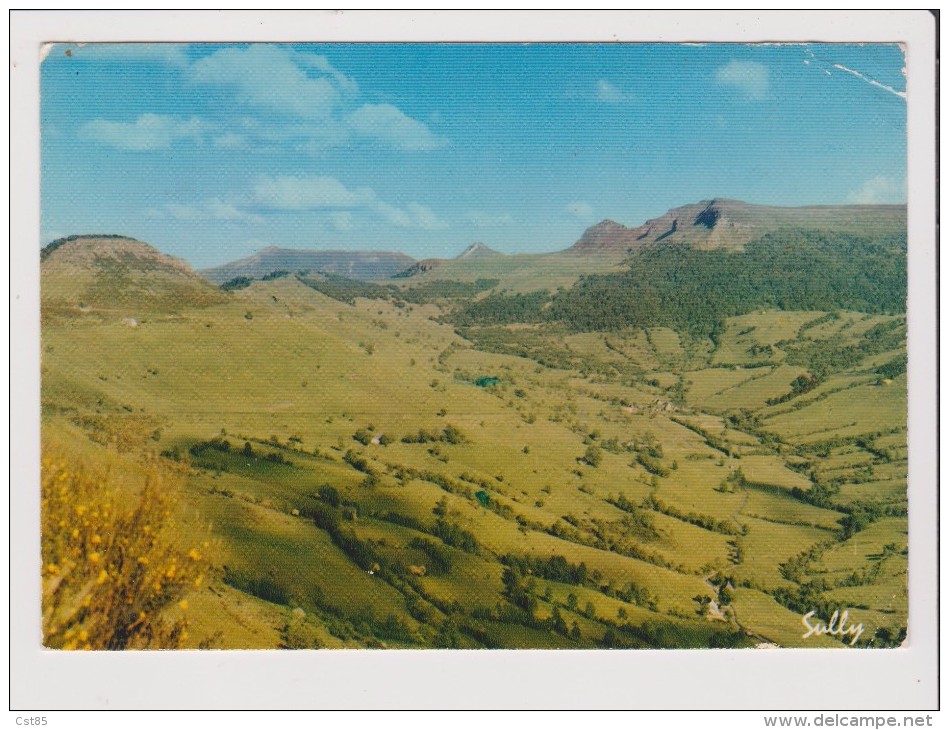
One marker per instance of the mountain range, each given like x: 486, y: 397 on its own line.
x: 717, y: 224
x: 730, y: 224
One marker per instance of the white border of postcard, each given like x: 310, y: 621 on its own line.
x: 42, y: 681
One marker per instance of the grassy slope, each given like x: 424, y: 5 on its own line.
x: 280, y: 360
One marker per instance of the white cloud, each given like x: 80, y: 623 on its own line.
x: 230, y: 141
x: 580, y: 209
x: 268, y: 77
x: 748, y: 77
x: 606, y: 92
x: 389, y: 125
x: 342, y: 220
x: 393, y: 215
x: 211, y: 209
x: 414, y: 215
x: 880, y: 189
x: 320, y: 63
x: 305, y: 104
x: 309, y: 193
x: 148, y: 132
x: 488, y: 220
x: 320, y: 193
x: 423, y: 217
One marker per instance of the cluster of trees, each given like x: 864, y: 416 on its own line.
x: 348, y: 290
x: 455, y: 536
x: 825, y: 357
x: 366, y: 435
x: 59, y: 242
x: 799, y: 386
x: 448, y: 435
x: 345, y: 290
x: 222, y: 445
x: 692, y: 291
x: 556, y: 568
x: 707, y: 522
x: 439, y: 556
x: 238, y: 282
x: 357, y: 462
x: 502, y: 309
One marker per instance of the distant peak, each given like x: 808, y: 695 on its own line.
x: 606, y: 223
x: 477, y: 249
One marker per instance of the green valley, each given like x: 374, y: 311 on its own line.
x: 686, y: 445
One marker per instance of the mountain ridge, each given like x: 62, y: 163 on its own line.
x: 360, y: 265
x: 723, y: 223
x: 107, y: 271
x: 716, y: 223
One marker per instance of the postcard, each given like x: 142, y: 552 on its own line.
x: 476, y: 346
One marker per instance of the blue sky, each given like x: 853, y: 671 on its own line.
x: 212, y: 152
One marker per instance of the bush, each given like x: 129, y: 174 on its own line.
x: 114, y: 577
x: 329, y: 494
x: 593, y: 456
x: 298, y: 633
x: 439, y: 555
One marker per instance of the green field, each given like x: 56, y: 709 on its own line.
x: 372, y: 475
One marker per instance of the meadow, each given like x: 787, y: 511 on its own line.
x: 364, y: 471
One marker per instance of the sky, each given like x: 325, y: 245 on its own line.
x: 212, y: 152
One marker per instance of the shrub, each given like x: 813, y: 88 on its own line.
x: 114, y: 577
x: 330, y: 495
x: 298, y: 633
x: 593, y: 456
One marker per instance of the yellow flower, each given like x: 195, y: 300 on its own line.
x: 52, y: 568
x: 103, y: 577
x: 83, y: 635
x: 197, y: 581
x: 75, y: 532
x: 94, y: 557
x: 184, y: 605
x: 96, y: 539
x: 170, y: 573
x: 81, y: 509
x: 143, y: 560
x: 194, y: 554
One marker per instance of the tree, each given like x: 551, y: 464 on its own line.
x: 703, y: 602
x: 593, y: 456
x: 557, y: 623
